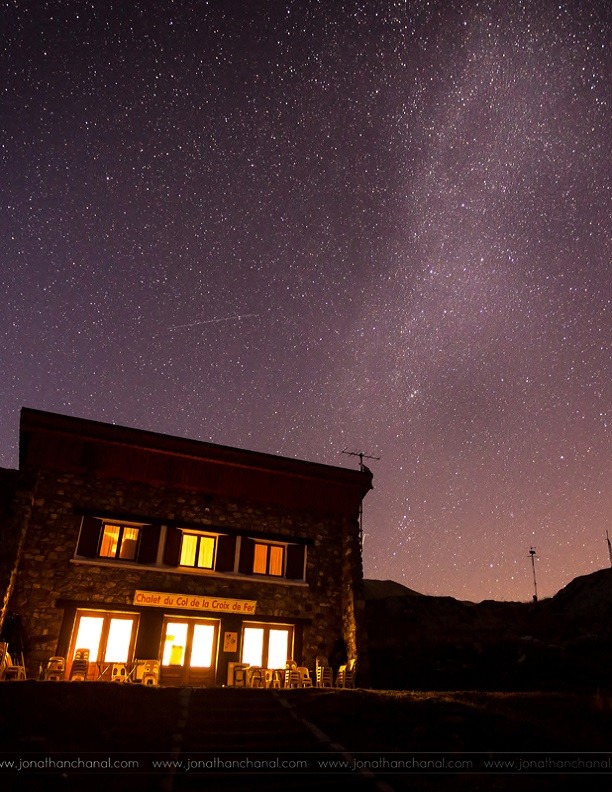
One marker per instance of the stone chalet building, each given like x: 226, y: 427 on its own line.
x: 141, y: 545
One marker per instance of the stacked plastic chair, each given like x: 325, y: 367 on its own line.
x: 292, y: 675
x: 11, y: 670
x: 305, y: 679
x: 324, y: 673
x: 80, y: 666
x: 256, y: 677
x: 346, y: 675
x: 55, y: 670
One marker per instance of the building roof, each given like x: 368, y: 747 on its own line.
x: 55, y: 441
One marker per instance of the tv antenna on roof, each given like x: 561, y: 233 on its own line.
x: 362, y: 455
x: 532, y: 553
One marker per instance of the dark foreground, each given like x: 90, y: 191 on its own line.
x: 99, y: 736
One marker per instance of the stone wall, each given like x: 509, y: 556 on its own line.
x: 49, y: 573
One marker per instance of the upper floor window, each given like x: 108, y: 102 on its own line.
x: 198, y: 550
x: 187, y: 547
x: 268, y: 559
x: 119, y: 541
x: 275, y: 559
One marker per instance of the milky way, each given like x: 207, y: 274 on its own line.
x: 309, y: 227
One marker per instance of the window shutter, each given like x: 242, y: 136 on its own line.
x: 226, y: 551
x: 295, y: 562
x: 89, y: 537
x: 247, y: 553
x: 149, y: 542
x: 172, y: 550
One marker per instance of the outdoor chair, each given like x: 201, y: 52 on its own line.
x: 305, y: 680
x: 324, y: 675
x: 257, y: 677
x: 346, y: 675
x: 119, y: 672
x: 55, y: 670
x: 13, y: 671
x: 150, y: 674
x: 240, y: 675
x: 80, y: 666
x: 278, y: 678
x: 292, y: 675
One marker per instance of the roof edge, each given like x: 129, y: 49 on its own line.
x: 58, y: 423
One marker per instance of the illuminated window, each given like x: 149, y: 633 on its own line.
x: 198, y: 550
x: 119, y: 541
x: 108, y: 636
x: 267, y: 645
x: 268, y: 559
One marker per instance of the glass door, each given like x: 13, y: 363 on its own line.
x: 189, y: 651
x: 267, y: 645
x: 108, y: 636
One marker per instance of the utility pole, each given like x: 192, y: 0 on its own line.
x: 532, y: 553
x: 362, y: 455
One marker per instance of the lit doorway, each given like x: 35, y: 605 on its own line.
x: 189, y: 651
x: 267, y: 645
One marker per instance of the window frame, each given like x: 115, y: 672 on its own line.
x: 199, y: 536
x: 122, y: 525
x: 107, y: 617
x: 269, y: 546
x: 267, y: 628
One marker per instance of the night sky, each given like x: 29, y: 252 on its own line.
x: 304, y: 227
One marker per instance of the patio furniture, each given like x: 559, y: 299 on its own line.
x: 13, y: 671
x: 55, y: 670
x: 305, y: 678
x: 278, y: 678
x: 80, y: 666
x: 256, y: 677
x: 346, y: 675
x: 119, y: 672
x: 324, y: 675
x: 292, y: 675
x: 150, y: 674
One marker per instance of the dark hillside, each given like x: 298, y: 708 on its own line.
x: 440, y: 643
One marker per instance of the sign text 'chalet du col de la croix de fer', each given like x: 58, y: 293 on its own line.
x: 161, y: 599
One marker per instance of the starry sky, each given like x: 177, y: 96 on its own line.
x: 306, y: 227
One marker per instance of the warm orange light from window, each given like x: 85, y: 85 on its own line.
x: 110, y: 539
x: 129, y: 541
x: 276, y: 560
x: 278, y: 648
x: 118, y: 641
x: 252, y: 646
x: 260, y: 560
x: 89, y: 634
x: 202, y: 646
x: 198, y: 551
x: 206, y: 556
x: 188, y: 549
x: 174, y: 644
